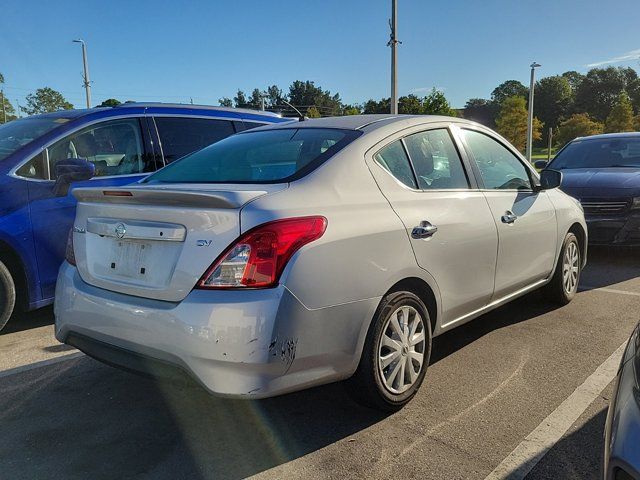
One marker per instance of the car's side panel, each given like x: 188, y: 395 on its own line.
x: 16, y: 235
x: 527, y: 247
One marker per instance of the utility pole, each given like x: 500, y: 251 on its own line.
x: 85, y: 63
x: 393, y: 43
x: 532, y: 84
x: 549, y: 145
x: 4, y: 113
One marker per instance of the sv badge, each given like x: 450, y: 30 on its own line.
x: 203, y: 243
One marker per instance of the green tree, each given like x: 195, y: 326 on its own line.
x: 255, y: 100
x: 274, y: 97
x: 110, y: 102
x: 512, y: 122
x: 636, y: 123
x: 45, y: 100
x: 9, y: 112
x: 410, y: 104
x: 482, y: 111
x: 575, y: 79
x: 621, y: 117
x: 374, y: 106
x: 312, y: 112
x: 240, y: 100
x: 600, y: 89
x: 225, y: 102
x: 351, y: 110
x: 510, y: 88
x: 306, y: 94
x: 437, y: 104
x: 577, y: 125
x: 553, y: 101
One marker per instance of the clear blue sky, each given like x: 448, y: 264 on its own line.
x: 171, y: 51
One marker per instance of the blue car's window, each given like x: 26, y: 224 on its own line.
x: 262, y: 156
x: 18, y: 133
x: 114, y: 147
x: 180, y: 136
x: 599, y: 153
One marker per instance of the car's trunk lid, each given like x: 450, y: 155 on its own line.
x: 156, y: 241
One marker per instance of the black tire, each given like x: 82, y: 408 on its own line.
x: 367, y: 385
x: 7, y: 295
x: 557, y: 290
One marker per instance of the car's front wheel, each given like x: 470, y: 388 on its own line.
x: 395, y: 355
x: 7, y: 295
x: 564, y: 284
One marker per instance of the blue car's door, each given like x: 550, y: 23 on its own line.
x: 121, y: 152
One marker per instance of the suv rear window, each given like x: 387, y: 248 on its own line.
x: 267, y: 156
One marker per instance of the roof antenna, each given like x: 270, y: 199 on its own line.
x: 301, y: 117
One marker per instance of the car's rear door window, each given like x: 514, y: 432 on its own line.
x: 180, y: 136
x: 393, y: 158
x: 436, y: 160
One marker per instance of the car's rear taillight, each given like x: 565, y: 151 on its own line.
x: 69, y: 255
x: 258, y: 257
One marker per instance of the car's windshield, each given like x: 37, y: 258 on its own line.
x: 257, y: 157
x: 599, y: 153
x: 18, y: 133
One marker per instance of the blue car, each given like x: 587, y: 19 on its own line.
x: 42, y: 155
x: 603, y: 172
x: 622, y: 429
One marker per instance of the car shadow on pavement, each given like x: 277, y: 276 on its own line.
x: 27, y: 320
x: 578, y: 455
x: 81, y: 419
x: 609, y: 265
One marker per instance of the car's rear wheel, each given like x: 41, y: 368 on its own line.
x: 395, y: 354
x: 7, y: 295
x: 564, y: 284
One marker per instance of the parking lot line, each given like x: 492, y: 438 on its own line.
x: 530, y: 451
x: 43, y: 363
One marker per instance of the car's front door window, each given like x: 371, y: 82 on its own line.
x: 114, y: 147
x: 499, y: 168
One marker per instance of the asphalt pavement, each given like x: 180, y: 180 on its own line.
x: 490, y: 384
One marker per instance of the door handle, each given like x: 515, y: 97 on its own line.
x: 424, y: 230
x: 509, y: 217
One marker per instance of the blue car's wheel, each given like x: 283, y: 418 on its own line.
x: 7, y: 295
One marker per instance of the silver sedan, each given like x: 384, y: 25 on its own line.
x: 331, y: 249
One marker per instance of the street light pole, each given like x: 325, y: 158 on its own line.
x: 87, y: 82
x: 393, y: 43
x: 534, y: 65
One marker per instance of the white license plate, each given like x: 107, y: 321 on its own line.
x: 129, y: 258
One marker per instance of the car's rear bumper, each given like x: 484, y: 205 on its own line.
x: 614, y: 230
x: 622, y: 429
x: 256, y: 343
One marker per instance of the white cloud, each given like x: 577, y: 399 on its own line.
x: 632, y: 55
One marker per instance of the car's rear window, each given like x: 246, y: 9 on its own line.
x: 266, y: 156
x: 599, y: 153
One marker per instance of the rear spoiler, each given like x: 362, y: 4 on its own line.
x: 135, y: 195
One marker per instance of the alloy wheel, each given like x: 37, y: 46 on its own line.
x: 570, y: 268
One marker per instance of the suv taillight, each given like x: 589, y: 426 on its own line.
x: 69, y: 255
x: 258, y: 257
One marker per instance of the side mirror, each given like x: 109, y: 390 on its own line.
x: 540, y: 164
x: 550, y: 179
x: 71, y: 170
